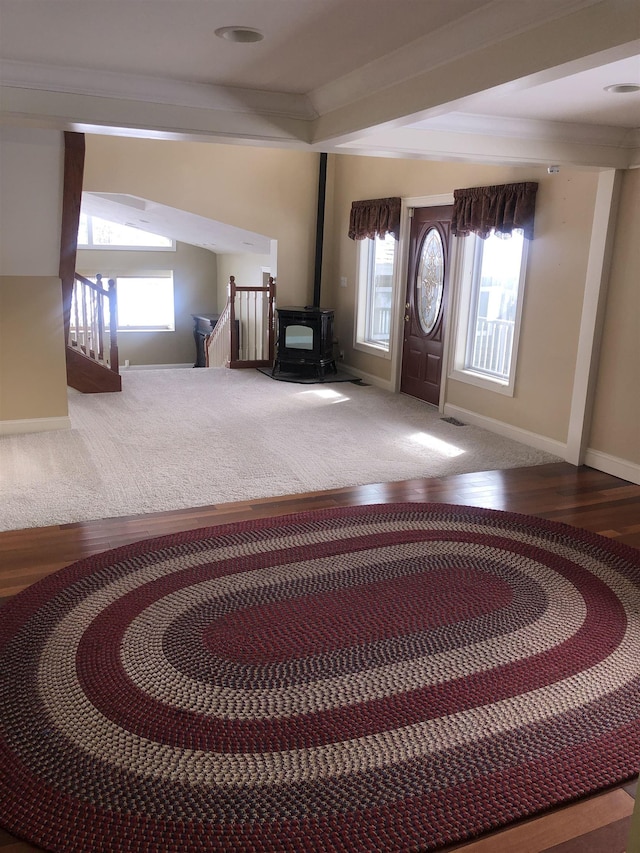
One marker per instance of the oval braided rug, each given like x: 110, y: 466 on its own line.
x: 378, y: 678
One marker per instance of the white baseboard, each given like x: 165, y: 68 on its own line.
x: 124, y: 369
x: 531, y: 439
x: 385, y: 384
x: 34, y: 425
x: 613, y: 465
x: 622, y: 468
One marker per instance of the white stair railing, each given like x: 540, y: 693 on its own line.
x: 93, y: 327
x: 252, y: 324
x: 217, y: 345
x: 244, y: 335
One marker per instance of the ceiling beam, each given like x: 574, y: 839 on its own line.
x: 603, y: 32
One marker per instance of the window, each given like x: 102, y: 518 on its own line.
x: 490, y: 291
x: 145, y: 303
x: 97, y: 233
x: 375, y: 291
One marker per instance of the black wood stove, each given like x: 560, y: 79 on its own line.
x: 305, y: 341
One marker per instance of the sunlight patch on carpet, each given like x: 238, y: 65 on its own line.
x: 326, y: 394
x: 424, y: 439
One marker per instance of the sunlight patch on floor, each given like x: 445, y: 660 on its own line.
x: 432, y: 443
x: 326, y: 394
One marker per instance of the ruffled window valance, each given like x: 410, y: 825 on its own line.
x: 374, y: 218
x: 499, y: 209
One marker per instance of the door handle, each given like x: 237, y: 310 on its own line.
x: 407, y: 306
x: 406, y: 318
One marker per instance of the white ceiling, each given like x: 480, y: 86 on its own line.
x: 497, y: 81
x: 577, y: 98
x: 307, y: 44
x: 181, y: 225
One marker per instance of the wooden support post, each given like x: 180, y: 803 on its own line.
x: 271, y: 329
x: 113, y: 327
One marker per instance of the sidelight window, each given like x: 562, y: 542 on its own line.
x: 490, y: 291
x: 375, y: 292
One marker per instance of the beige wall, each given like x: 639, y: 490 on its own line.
x: 555, y: 281
x: 246, y: 268
x: 31, y: 173
x: 268, y: 191
x: 33, y: 379
x: 615, y: 428
x: 32, y: 360
x: 194, y: 288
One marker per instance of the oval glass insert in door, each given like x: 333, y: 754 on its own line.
x: 429, y: 284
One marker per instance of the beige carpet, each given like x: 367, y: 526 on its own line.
x: 181, y: 438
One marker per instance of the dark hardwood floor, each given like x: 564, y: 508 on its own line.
x: 578, y: 496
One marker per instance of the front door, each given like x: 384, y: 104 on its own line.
x: 426, y: 303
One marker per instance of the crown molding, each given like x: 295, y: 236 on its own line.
x: 157, y: 90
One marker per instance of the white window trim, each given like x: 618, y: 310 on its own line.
x: 461, y: 291
x: 362, y: 278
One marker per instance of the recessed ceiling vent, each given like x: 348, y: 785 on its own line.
x: 241, y: 35
x: 623, y: 88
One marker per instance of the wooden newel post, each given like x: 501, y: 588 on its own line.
x: 100, y: 321
x: 272, y: 328
x: 113, y: 327
x: 234, y: 343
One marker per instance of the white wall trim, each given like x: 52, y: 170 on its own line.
x: 524, y: 436
x: 593, y: 310
x: 26, y: 425
x: 613, y: 465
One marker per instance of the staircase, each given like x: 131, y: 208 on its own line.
x: 244, y: 335
x: 92, y: 339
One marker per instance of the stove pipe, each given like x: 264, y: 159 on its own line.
x: 322, y: 187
